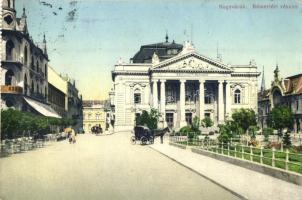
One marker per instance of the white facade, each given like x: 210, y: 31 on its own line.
x: 173, y: 86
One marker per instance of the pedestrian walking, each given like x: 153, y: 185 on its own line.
x: 73, y: 136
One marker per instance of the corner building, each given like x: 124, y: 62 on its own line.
x: 180, y: 83
x: 24, y: 84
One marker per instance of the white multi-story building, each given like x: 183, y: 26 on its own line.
x: 180, y: 83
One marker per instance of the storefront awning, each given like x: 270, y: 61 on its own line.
x: 44, y: 109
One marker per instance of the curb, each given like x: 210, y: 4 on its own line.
x: 202, y: 175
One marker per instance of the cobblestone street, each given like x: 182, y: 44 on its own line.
x: 101, y: 167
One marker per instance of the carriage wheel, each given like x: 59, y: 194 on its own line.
x: 132, y: 140
x: 144, y: 140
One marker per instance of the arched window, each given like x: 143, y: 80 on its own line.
x: 9, y: 103
x: 9, y: 77
x: 32, y: 62
x: 137, y: 97
x: 45, y: 70
x: 25, y: 55
x: 25, y: 84
x: 277, y: 97
x: 237, y: 96
x: 45, y: 92
x: 32, y: 87
x: 9, y: 50
x: 37, y: 65
x: 8, y: 3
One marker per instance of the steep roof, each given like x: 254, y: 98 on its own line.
x: 164, y: 50
x: 293, y: 84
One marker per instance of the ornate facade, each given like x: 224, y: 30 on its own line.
x: 286, y: 92
x: 24, y: 84
x: 180, y: 83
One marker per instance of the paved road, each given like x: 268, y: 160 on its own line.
x: 101, y: 167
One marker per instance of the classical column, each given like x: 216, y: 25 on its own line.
x: 201, y: 99
x: 163, y: 101
x: 155, y: 98
x: 182, y: 103
x: 228, y: 99
x: 220, y: 102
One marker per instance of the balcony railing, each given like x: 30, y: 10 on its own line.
x: 13, y: 59
x: 10, y: 89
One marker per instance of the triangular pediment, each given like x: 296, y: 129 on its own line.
x: 191, y: 62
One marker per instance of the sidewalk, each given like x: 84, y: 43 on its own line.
x: 241, y: 181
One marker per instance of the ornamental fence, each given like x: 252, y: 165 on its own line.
x: 286, y: 160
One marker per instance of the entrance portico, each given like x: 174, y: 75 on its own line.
x: 188, y: 96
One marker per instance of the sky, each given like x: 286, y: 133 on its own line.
x: 86, y: 38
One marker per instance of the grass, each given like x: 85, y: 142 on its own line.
x: 295, y: 160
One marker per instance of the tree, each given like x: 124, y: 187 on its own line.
x: 225, y: 133
x: 207, y: 122
x: 280, y: 118
x: 245, y: 118
x: 195, y: 125
x: 252, y: 131
x: 10, y: 123
x: 286, y: 139
x: 148, y: 119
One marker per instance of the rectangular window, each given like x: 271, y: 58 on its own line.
x: 189, y: 118
x: 169, y: 119
x: 207, y: 99
x: 137, y: 98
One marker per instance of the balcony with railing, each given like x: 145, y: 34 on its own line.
x: 13, y: 59
x: 11, y: 89
x: 38, y: 97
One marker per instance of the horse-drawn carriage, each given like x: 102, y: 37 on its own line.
x: 146, y: 135
x: 96, y: 130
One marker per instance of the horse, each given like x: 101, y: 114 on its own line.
x: 160, y: 133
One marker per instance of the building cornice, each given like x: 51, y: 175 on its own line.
x: 244, y: 74
x: 190, y: 71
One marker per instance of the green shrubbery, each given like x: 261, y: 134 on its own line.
x: 15, y: 123
x: 148, y: 119
x: 242, y: 121
x: 191, y: 130
x: 267, y: 132
x: 281, y: 117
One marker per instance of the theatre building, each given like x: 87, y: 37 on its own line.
x: 180, y: 83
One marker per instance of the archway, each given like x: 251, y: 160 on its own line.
x: 9, y: 77
x: 9, y: 50
x: 25, y: 85
x: 25, y: 55
x: 277, y: 97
